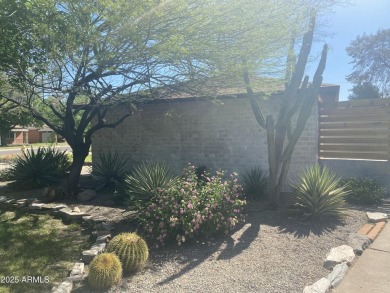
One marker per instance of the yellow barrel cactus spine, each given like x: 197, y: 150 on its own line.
x: 131, y: 249
x: 105, y: 270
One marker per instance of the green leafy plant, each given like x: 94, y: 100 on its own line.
x: 131, y: 249
x: 144, y: 181
x: 5, y: 175
x: 188, y: 209
x: 254, y: 183
x: 105, y: 270
x: 40, y: 168
x: 109, y: 171
x: 364, y: 191
x: 317, y: 194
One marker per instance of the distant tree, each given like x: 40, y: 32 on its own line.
x: 371, y: 60
x: 366, y: 90
x: 10, y: 116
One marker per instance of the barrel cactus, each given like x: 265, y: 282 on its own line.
x: 131, y: 249
x: 105, y: 270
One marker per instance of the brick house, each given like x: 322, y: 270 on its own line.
x: 20, y: 135
x: 217, y: 133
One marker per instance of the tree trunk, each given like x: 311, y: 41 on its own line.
x: 79, y: 154
x: 3, y: 134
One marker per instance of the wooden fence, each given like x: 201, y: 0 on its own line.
x: 355, y: 130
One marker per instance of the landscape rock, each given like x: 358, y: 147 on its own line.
x: 88, y: 255
x: 321, y: 286
x: 53, y: 206
x: 358, y: 242
x: 76, y: 278
x: 35, y: 206
x: 99, y: 219
x: 78, y: 269
x: 86, y: 195
x: 76, y: 210
x: 103, y: 238
x: 65, y: 287
x: 376, y: 217
x: 3, y: 199
x: 21, y: 203
x: 99, y: 247
x: 337, y: 274
x: 60, y: 206
x: 87, y: 218
x: 10, y: 201
x: 71, y: 215
x: 337, y: 255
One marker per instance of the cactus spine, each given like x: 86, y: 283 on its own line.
x: 105, y: 270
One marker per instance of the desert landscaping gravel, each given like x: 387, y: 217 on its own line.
x: 270, y: 253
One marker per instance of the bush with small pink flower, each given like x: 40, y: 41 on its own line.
x: 190, y: 209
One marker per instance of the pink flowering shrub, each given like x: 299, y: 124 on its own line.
x: 189, y: 209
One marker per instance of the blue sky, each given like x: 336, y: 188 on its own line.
x: 346, y: 23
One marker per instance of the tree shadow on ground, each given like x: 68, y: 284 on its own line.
x: 221, y: 248
x: 243, y: 236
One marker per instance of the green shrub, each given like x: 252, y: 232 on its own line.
x: 364, y: 191
x: 105, y: 270
x: 254, y: 184
x: 187, y: 209
x: 131, y: 249
x: 5, y: 175
x: 144, y: 182
x: 317, y: 194
x: 109, y: 171
x: 40, y: 168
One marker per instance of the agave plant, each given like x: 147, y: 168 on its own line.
x: 144, y: 182
x: 109, y: 171
x: 317, y: 194
x: 254, y: 183
x: 40, y: 168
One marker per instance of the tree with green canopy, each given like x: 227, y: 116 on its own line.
x: 370, y: 58
x: 365, y: 90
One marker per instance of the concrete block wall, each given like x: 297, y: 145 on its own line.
x: 222, y: 134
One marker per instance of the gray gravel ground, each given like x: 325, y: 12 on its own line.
x: 270, y: 253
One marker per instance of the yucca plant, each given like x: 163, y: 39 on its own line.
x: 317, y: 194
x: 144, y: 182
x: 254, y: 183
x: 109, y: 171
x: 40, y: 168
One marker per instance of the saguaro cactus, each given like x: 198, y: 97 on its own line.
x: 298, y: 100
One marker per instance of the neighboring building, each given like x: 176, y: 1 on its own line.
x: 28, y: 135
x: 220, y: 133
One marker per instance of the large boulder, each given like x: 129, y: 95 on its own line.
x: 337, y: 255
x: 86, y: 195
